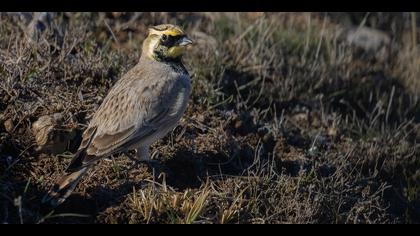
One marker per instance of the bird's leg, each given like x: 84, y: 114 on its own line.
x: 142, y: 154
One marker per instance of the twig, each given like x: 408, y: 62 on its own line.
x: 413, y: 29
x: 112, y: 33
x: 389, y: 104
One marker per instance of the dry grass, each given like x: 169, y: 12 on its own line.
x: 288, y: 122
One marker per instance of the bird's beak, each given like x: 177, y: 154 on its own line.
x: 184, y: 41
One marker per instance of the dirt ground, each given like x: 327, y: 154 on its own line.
x: 294, y: 118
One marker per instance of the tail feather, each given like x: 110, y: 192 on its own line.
x: 73, y: 174
x: 64, y: 187
x: 68, y: 182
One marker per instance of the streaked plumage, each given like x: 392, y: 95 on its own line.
x: 143, y: 106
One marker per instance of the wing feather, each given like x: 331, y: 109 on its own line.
x: 132, y: 111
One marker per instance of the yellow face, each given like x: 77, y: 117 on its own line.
x: 166, y: 42
x: 176, y: 51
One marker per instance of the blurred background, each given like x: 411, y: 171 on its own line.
x: 294, y: 118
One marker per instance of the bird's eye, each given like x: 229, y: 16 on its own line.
x: 164, y: 37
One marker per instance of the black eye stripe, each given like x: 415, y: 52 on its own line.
x: 175, y: 38
x: 169, y: 40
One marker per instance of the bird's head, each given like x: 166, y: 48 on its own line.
x: 165, y: 43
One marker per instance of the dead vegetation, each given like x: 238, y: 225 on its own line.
x: 290, y: 121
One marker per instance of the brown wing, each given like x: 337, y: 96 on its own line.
x: 131, y: 112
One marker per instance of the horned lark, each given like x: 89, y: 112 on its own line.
x: 143, y: 106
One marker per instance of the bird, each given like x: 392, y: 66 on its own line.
x: 143, y: 106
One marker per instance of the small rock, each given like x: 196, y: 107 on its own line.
x: 50, y: 135
x: 367, y: 38
x: 42, y: 128
x: 370, y: 40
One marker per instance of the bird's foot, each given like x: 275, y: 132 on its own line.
x: 144, y: 160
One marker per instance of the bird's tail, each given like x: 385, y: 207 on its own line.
x: 64, y: 187
x: 68, y: 182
